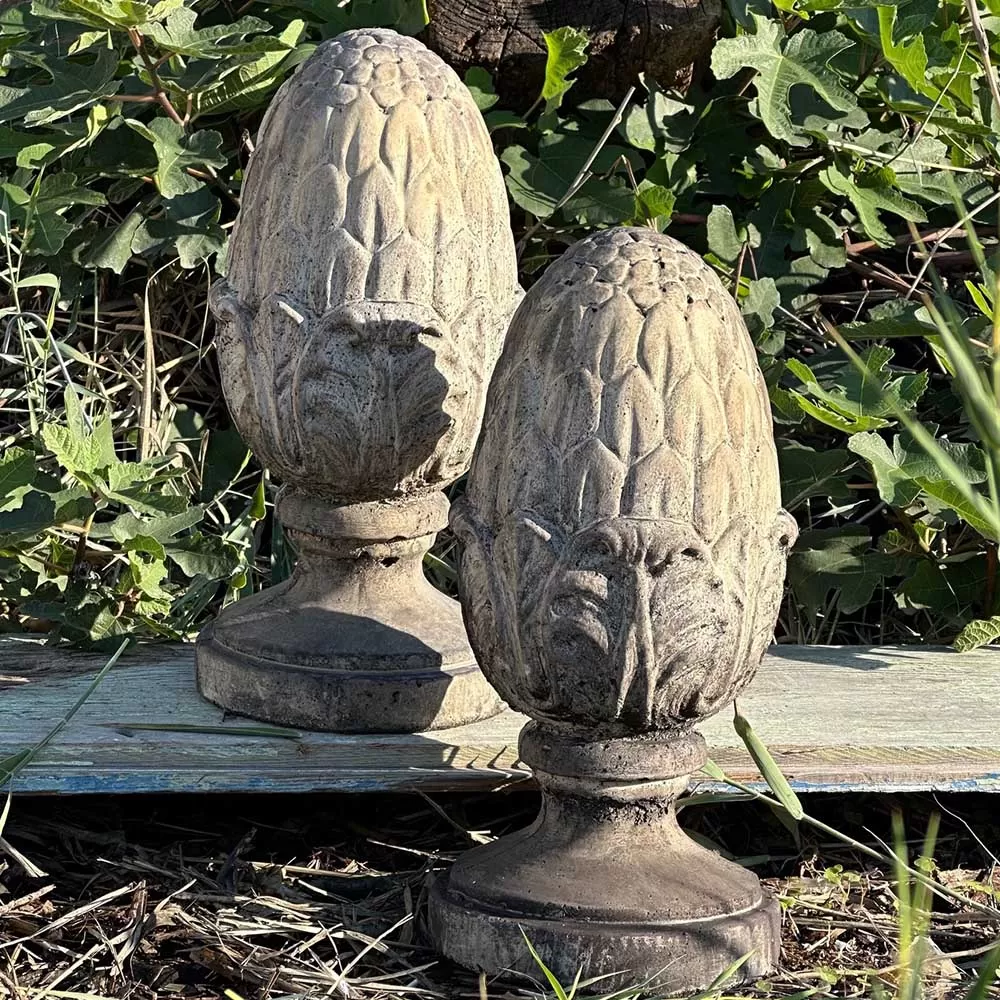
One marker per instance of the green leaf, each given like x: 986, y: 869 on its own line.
x: 838, y: 559
x: 978, y: 633
x: 147, y: 576
x: 949, y: 588
x: 979, y: 408
x: 531, y: 185
x: 654, y: 202
x: 662, y: 123
x: 566, y: 53
x: 895, y: 318
x: 146, y: 544
x: 480, y: 85
x: 412, y: 18
x: 179, y: 35
x: 17, y: 471
x: 35, y: 513
x: 807, y: 472
x: 768, y: 767
x: 944, y: 495
x: 45, y: 231
x: 851, y: 401
x: 258, y: 505
x: 602, y: 202
x: 177, y: 151
x: 13, y: 142
x: 783, y: 63
x: 910, y: 59
x: 504, y: 119
x: 79, y: 453
x: 188, y: 225
x: 106, y: 13
x: 759, y: 304
x: 115, y: 250
x: 204, y: 555
x: 724, y: 239
x: 538, y: 183
x: 905, y: 471
x: 127, y: 527
x: 74, y: 85
x: 61, y: 191
x: 870, y: 194
x: 246, y: 83
x: 35, y: 156
x: 824, y: 240
x: 46, y: 235
x: 226, y: 456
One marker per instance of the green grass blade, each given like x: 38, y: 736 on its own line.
x: 901, y: 870
x: 21, y: 760
x: 986, y: 978
x: 557, y: 987
x: 767, y: 766
x: 275, y: 732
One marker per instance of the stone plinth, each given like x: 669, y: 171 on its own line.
x: 605, y: 879
x: 371, y: 279
x: 623, y: 553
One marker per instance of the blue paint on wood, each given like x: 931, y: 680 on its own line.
x: 160, y: 781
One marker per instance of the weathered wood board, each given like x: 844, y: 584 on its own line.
x: 836, y: 719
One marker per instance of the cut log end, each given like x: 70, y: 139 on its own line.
x: 665, y: 39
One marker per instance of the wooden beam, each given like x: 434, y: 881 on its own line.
x: 836, y: 719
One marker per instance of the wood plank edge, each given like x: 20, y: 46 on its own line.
x: 95, y: 782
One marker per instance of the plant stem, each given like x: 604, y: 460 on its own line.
x: 939, y: 890
x: 584, y: 173
x: 159, y: 92
x: 984, y: 50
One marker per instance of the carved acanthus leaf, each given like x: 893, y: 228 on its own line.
x: 626, y: 483
x: 373, y: 183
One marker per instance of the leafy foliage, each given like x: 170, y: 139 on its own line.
x: 829, y: 132
x: 127, y: 505
x: 801, y: 166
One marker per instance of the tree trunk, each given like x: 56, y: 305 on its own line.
x: 662, y: 38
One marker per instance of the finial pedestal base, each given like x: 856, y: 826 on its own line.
x: 356, y: 640
x: 604, y: 880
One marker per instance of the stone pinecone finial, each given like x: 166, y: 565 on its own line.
x: 371, y: 273
x: 624, y: 542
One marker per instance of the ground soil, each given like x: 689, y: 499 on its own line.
x: 294, y: 896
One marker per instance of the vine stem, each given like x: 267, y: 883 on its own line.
x: 584, y: 173
x: 159, y: 92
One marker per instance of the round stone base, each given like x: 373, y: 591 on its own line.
x: 605, y: 883
x: 671, y: 958
x: 357, y: 700
x: 357, y: 640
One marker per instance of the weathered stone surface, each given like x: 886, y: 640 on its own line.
x: 371, y: 278
x: 623, y: 558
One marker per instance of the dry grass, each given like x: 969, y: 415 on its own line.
x: 321, y: 896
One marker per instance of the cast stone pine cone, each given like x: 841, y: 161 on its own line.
x: 625, y: 507
x: 372, y: 275
x: 623, y: 547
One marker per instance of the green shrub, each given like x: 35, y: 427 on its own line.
x: 818, y: 167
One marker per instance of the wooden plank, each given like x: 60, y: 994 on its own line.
x: 836, y: 719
